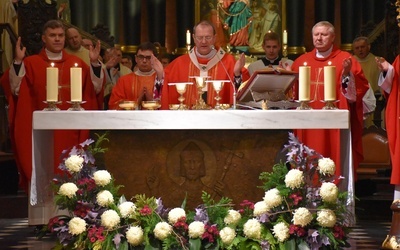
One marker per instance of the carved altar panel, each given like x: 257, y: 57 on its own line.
x: 150, y: 162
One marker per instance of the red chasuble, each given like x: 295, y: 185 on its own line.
x: 327, y: 141
x: 12, y: 102
x: 185, y: 66
x: 393, y: 123
x: 129, y: 87
x: 31, y: 97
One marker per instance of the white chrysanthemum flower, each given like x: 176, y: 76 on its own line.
x: 102, y: 178
x: 233, y: 217
x: 272, y: 198
x: 76, y: 226
x: 294, y: 179
x: 68, y: 189
x: 252, y: 229
x: 326, y: 166
x: 260, y: 208
x: 281, y: 231
x: 329, y: 192
x: 302, y: 216
x: 126, y: 209
x: 104, y: 198
x: 110, y: 219
x: 74, y: 163
x: 162, y: 230
x: 134, y: 235
x: 227, y: 235
x: 326, y: 218
x: 196, y: 229
x: 175, y: 214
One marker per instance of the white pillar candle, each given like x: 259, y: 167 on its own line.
x: 304, y: 83
x: 76, y: 84
x: 284, y: 36
x: 187, y: 37
x: 52, y: 83
x: 329, y: 83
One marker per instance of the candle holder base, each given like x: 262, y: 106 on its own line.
x: 304, y: 105
x: 330, y: 105
x: 76, y: 106
x: 52, y: 106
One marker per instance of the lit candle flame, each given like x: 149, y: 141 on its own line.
x: 52, y: 64
x: 329, y: 63
x: 305, y: 63
x: 76, y: 65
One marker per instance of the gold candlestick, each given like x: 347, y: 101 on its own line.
x: 304, y: 105
x: 52, y: 106
x: 284, y: 50
x: 76, y: 106
x: 330, y: 105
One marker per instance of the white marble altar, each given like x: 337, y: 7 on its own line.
x: 44, y: 122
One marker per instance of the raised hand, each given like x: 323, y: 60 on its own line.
x: 157, y: 66
x: 19, y: 51
x: 383, y: 65
x: 94, y: 52
x: 239, y: 65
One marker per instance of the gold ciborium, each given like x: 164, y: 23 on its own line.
x: 127, y: 105
x: 151, y: 105
x: 217, y: 85
x: 181, y: 89
x: 200, y: 84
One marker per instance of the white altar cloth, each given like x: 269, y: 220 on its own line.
x: 41, y: 207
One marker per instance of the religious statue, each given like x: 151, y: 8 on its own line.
x: 237, y: 21
x: 265, y: 18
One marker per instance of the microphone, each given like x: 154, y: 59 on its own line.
x: 229, y: 77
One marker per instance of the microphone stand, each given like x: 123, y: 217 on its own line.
x: 229, y: 78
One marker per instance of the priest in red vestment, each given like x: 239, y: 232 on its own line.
x: 144, y: 83
x: 12, y: 102
x: 203, y: 60
x: 389, y: 83
x: 351, y: 86
x: 28, y: 82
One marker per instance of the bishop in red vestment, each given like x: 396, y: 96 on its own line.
x: 351, y: 86
x: 203, y: 60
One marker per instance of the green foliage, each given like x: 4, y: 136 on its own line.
x: 97, y: 148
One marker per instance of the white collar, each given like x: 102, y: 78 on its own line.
x: 325, y: 53
x: 52, y: 55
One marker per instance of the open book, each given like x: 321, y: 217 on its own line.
x: 270, y: 84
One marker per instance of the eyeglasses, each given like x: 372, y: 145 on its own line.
x: 142, y: 57
x: 200, y: 38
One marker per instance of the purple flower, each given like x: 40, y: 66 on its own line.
x: 201, y: 214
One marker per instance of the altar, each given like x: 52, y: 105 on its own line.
x: 232, y: 143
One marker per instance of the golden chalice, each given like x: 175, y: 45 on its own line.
x: 217, y: 85
x: 200, y: 84
x: 181, y: 89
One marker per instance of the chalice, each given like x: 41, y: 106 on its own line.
x: 200, y: 84
x: 217, y: 85
x: 181, y: 89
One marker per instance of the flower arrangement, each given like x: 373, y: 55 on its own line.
x: 302, y: 209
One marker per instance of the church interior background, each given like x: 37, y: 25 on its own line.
x: 127, y: 23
